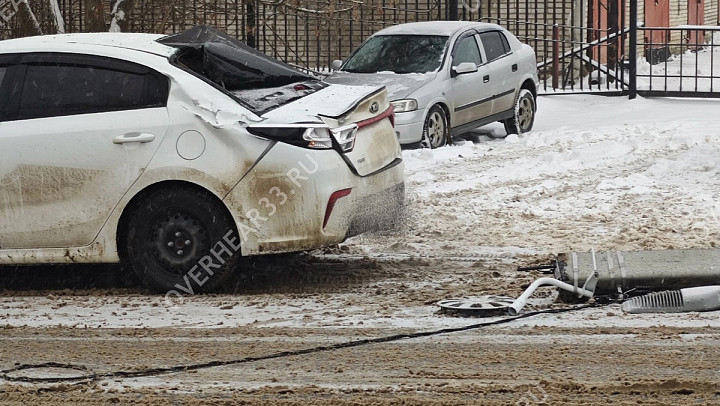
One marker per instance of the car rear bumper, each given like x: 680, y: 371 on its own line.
x: 282, y: 204
x: 377, y: 211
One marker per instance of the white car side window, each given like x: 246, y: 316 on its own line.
x: 65, y: 89
x: 467, y: 51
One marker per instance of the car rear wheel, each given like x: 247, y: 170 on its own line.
x: 435, y: 131
x: 524, y: 114
x: 182, y: 240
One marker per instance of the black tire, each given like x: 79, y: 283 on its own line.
x: 524, y: 117
x: 435, y: 130
x: 168, y: 234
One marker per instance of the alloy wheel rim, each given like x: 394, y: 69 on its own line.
x: 436, y: 130
x: 525, y: 114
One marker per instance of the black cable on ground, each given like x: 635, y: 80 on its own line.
x: 90, y: 377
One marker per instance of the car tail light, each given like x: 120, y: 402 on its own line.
x: 318, y: 138
x: 331, y: 203
x: 309, y: 135
x: 346, y: 136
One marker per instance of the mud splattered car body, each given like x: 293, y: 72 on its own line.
x: 101, y: 132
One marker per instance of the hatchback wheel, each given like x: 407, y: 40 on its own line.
x: 170, y: 237
x: 435, y: 131
x: 524, y: 117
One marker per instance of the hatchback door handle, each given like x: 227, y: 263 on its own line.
x: 133, y: 137
x: 486, y: 78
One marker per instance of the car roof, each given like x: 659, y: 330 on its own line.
x: 446, y: 28
x: 88, y: 42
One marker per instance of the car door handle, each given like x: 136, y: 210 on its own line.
x: 133, y: 137
x: 486, y: 78
x: 514, y: 67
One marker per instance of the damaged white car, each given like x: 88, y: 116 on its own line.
x: 181, y: 154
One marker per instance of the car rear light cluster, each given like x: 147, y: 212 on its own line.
x: 319, y: 136
x: 309, y: 135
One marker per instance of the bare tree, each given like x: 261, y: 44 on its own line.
x: 57, y: 21
x: 94, y: 16
x: 27, y: 22
x: 120, y: 15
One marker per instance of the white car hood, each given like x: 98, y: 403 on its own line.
x: 333, y: 101
x: 399, y: 86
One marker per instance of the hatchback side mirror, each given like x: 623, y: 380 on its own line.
x: 336, y: 64
x: 465, y: 67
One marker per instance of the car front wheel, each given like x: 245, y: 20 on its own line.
x: 435, y: 130
x: 524, y: 114
x: 182, y: 240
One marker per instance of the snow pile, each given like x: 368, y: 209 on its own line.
x: 608, y: 173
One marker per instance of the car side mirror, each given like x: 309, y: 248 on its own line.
x: 465, y: 67
x: 336, y: 64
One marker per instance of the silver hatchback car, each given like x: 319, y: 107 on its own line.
x: 445, y: 78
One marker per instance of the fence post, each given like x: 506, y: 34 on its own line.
x: 632, y: 91
x: 556, y: 57
x: 250, y: 25
x: 452, y: 6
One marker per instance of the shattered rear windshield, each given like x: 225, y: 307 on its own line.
x: 266, y: 99
x: 254, y: 79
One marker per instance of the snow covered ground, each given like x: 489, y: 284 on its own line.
x: 596, y: 172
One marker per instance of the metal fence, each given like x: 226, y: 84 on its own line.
x: 581, y: 46
x: 683, y: 61
x: 578, y: 44
x: 307, y: 33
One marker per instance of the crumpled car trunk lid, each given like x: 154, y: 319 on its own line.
x: 376, y: 145
x: 282, y: 94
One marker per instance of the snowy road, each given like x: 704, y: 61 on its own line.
x: 597, y: 172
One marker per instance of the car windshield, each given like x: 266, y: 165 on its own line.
x: 399, y: 54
